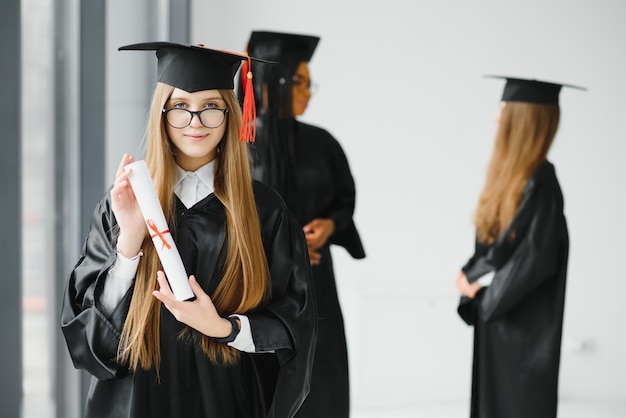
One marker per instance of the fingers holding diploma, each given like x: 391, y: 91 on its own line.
x: 200, y: 314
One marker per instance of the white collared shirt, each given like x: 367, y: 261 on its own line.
x: 190, y: 188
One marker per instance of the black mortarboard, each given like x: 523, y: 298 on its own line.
x: 195, y: 68
x: 532, y: 91
x: 192, y: 67
x: 276, y: 46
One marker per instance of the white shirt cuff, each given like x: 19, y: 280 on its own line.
x: 486, y: 279
x: 243, y: 341
x: 119, y: 279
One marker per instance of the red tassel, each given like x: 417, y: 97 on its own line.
x: 248, y: 123
x: 245, y: 68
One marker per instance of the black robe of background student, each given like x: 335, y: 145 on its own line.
x: 260, y: 385
x: 518, y: 319
x: 324, y: 188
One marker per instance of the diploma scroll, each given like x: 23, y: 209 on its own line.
x: 142, y: 185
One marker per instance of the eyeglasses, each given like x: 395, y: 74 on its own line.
x: 181, y: 118
x: 302, y: 84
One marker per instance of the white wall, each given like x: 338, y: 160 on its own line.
x: 401, y: 88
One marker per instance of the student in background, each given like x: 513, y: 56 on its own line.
x: 308, y: 167
x: 513, y: 287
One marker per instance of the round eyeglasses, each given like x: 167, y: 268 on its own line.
x: 181, y: 118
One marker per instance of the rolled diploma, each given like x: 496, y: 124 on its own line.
x: 142, y: 185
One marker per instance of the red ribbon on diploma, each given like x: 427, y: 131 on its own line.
x: 159, y: 234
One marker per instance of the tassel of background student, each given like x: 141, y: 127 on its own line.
x: 248, y: 125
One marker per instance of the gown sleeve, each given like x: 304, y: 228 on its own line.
x: 344, y: 197
x: 535, y: 259
x: 342, y: 212
x: 520, y: 258
x: 287, y: 325
x: 91, y: 336
x: 487, y: 259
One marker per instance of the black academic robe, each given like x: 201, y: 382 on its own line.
x: 270, y: 383
x: 324, y: 188
x: 518, y: 319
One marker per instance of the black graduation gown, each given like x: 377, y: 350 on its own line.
x: 324, y: 188
x: 260, y: 385
x: 518, y: 319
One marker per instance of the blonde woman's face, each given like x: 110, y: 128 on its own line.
x: 301, y: 89
x: 195, y: 135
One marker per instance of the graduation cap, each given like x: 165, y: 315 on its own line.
x: 195, y: 68
x: 277, y: 46
x: 532, y: 91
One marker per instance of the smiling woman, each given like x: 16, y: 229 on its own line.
x: 247, y: 259
x: 195, y: 133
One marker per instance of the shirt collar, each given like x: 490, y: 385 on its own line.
x: 206, y: 174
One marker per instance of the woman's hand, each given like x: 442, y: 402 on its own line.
x: 317, y: 233
x: 466, y: 288
x: 127, y: 213
x: 199, y: 314
x: 314, y: 257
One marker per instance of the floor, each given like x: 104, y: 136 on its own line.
x: 566, y: 410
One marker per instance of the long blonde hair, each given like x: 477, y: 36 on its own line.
x: 524, y: 137
x: 245, y: 283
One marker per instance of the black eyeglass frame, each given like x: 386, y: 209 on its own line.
x: 193, y: 113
